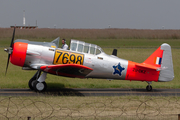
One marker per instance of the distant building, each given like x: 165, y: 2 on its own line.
x: 25, y: 27
x: 24, y: 24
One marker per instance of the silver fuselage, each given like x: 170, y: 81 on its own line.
x: 34, y: 55
x: 102, y: 64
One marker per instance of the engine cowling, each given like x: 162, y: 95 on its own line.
x: 18, y: 55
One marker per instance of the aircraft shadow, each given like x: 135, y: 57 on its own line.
x: 62, y: 92
x: 58, y: 89
x: 144, y: 90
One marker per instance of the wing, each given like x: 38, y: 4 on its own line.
x: 67, y: 70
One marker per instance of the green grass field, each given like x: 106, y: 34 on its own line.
x: 136, y: 50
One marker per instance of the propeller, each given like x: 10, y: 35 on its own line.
x: 9, y: 50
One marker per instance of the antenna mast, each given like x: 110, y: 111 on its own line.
x: 24, y: 20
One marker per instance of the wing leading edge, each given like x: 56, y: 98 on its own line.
x: 67, y: 70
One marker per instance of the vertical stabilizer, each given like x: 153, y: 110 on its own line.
x: 166, y: 74
x: 155, y: 59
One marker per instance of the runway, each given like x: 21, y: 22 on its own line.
x: 90, y: 92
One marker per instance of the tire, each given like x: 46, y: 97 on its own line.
x: 31, y: 82
x: 149, y: 88
x: 39, y: 86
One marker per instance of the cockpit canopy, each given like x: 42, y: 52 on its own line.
x: 80, y: 46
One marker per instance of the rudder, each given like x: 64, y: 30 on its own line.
x: 166, y: 74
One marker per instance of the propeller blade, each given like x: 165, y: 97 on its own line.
x: 7, y: 63
x: 10, y: 50
x: 13, y: 37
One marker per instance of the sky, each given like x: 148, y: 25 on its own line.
x: 89, y: 14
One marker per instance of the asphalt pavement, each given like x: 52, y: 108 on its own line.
x: 90, y: 92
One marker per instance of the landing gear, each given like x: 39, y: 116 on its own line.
x: 31, y: 82
x: 34, y: 79
x: 37, y: 82
x: 40, y: 86
x: 149, y: 87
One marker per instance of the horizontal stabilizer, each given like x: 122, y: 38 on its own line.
x: 147, y: 66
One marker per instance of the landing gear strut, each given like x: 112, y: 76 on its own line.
x: 37, y: 82
x: 40, y: 84
x: 149, y: 87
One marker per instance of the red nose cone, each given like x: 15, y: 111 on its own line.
x: 18, y: 55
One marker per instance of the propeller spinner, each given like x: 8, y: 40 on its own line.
x: 9, y: 50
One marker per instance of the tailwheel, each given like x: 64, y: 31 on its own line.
x: 39, y: 86
x: 149, y: 88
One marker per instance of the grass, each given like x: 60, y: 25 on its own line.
x: 90, y: 33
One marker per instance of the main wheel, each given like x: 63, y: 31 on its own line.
x: 31, y: 82
x: 149, y: 88
x: 39, y: 86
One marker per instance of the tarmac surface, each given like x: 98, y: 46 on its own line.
x: 90, y: 92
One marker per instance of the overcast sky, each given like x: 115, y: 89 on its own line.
x: 133, y: 14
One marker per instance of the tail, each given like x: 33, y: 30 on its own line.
x: 162, y: 59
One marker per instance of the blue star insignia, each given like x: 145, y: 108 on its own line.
x: 118, y: 69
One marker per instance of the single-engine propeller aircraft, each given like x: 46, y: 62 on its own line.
x: 84, y: 60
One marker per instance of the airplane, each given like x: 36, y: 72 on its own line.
x: 85, y: 60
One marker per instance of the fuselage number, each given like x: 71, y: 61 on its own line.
x: 64, y: 57
x: 139, y: 70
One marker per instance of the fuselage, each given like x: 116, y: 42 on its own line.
x: 37, y: 54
